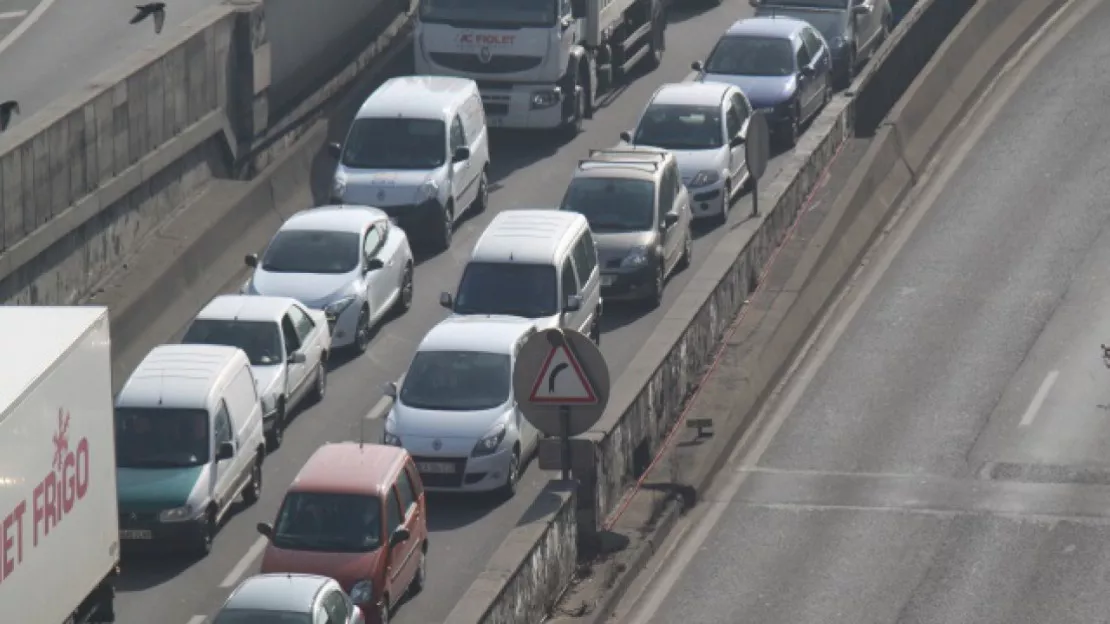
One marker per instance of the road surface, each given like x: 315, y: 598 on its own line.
x: 49, y: 48
x: 529, y: 172
x: 940, y: 456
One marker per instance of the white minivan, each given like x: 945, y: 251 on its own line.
x: 418, y: 149
x: 189, y: 442
x: 536, y: 264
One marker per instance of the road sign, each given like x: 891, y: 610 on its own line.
x: 561, y: 380
x: 757, y: 145
x: 560, y: 375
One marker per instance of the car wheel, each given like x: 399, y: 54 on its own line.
x: 383, y: 611
x: 481, y: 200
x: 446, y: 230
x: 726, y: 204
x: 207, y: 534
x: 655, y: 299
x: 320, y: 383
x: 513, y: 477
x: 687, y: 251
x: 828, y: 91
x: 253, y: 491
x: 848, y: 72
x: 595, y: 329
x: 277, y: 432
x: 421, y: 577
x: 362, y: 331
x: 791, y: 128
x: 404, y: 296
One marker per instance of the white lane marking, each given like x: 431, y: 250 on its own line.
x: 197, y: 619
x: 12, y: 15
x: 241, y: 568
x: 1038, y: 399
x: 27, y: 22
x: 380, y: 409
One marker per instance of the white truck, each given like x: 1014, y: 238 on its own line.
x: 59, y: 535
x: 539, y: 64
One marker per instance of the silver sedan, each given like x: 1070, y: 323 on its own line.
x: 288, y: 599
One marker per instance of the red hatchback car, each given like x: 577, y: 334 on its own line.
x: 354, y: 513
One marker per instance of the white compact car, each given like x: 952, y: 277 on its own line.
x: 455, y: 412
x: 703, y: 124
x: 351, y: 262
x: 287, y: 345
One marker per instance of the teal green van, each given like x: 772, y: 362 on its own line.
x: 189, y: 442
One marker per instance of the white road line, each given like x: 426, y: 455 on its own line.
x: 197, y: 619
x: 29, y: 21
x: 241, y: 568
x: 13, y: 15
x: 380, y: 409
x: 1038, y: 399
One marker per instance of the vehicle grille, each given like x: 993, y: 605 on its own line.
x: 137, y: 520
x: 495, y: 108
x: 435, y: 479
x: 503, y: 64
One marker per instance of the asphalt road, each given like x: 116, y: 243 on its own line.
x: 49, y: 48
x: 941, y: 454
x: 530, y: 171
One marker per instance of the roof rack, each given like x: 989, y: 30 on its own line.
x: 617, y: 156
x: 652, y: 154
x: 641, y: 164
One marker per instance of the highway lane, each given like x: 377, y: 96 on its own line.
x: 940, y: 455
x: 529, y: 171
x: 67, y: 43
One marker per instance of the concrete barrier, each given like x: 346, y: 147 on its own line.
x: 86, y: 180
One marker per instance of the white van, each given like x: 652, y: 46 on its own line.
x: 419, y: 150
x: 538, y: 264
x: 189, y: 441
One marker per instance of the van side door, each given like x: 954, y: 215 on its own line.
x: 463, y: 181
x: 226, y: 476
x: 477, y: 133
x: 568, y: 287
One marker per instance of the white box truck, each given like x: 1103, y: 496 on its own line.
x: 59, y: 529
x: 539, y: 64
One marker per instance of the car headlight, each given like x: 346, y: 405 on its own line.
x: 428, y: 190
x: 362, y: 592
x: 335, y: 308
x: 704, y: 178
x: 338, y: 188
x: 635, y: 258
x: 488, y: 445
x: 177, y: 514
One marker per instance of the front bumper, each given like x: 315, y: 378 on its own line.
x: 511, y: 107
x: 143, y: 531
x: 343, y: 327
x: 628, y: 284
x: 708, y: 201
x: 450, y: 472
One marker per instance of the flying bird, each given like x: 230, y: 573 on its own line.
x: 6, y: 111
x: 157, y: 9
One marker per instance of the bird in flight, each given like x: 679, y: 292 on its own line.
x: 6, y: 111
x: 157, y: 9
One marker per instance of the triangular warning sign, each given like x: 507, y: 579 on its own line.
x: 562, y: 381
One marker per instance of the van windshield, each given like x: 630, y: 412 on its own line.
x: 261, y: 616
x: 395, y: 143
x: 161, y: 437
x: 514, y: 289
x: 346, y: 523
x: 457, y: 381
x: 260, y: 340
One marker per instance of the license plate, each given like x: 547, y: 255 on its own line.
x: 436, y: 467
x: 134, y: 535
x: 607, y: 280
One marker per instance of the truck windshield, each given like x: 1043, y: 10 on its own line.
x: 326, y: 522
x: 161, y: 437
x: 490, y: 12
x: 511, y: 288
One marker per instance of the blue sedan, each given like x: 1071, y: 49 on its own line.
x: 782, y: 64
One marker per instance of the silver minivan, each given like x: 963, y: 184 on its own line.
x: 538, y: 264
x: 418, y: 149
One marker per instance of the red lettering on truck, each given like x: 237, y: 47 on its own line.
x: 486, y: 39
x: 52, y: 499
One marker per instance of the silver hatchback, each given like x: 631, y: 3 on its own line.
x: 288, y: 599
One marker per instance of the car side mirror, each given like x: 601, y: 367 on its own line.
x: 461, y: 154
x: 400, y: 536
x: 225, y: 451
x: 446, y: 300
x: 374, y: 264
x: 670, y: 219
x: 626, y: 136
x: 808, y: 72
x: 697, y: 66
x: 335, y: 149
x: 265, y: 529
x: 297, y: 357
x: 574, y: 304
x: 390, y: 390
x: 736, y: 141
x: 251, y: 260
x: 861, y: 9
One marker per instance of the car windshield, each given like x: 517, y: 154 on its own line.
x: 674, y: 127
x: 261, y: 340
x: 457, y: 381
x: 516, y: 289
x: 613, y: 204
x: 312, y: 251
x: 160, y: 437
x: 395, y: 143
x: 751, y: 56
x: 831, y: 24
x: 820, y: 4
x: 489, y: 12
x: 261, y: 616
x: 345, y: 523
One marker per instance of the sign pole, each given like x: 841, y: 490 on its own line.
x: 564, y: 416
x: 755, y: 197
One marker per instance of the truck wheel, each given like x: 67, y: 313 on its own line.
x: 573, y: 127
x: 657, y: 44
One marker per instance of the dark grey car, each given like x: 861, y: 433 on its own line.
x: 854, y: 29
x: 639, y: 214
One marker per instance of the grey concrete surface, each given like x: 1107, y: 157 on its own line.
x: 12, y: 14
x: 466, y: 532
x: 903, y: 486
